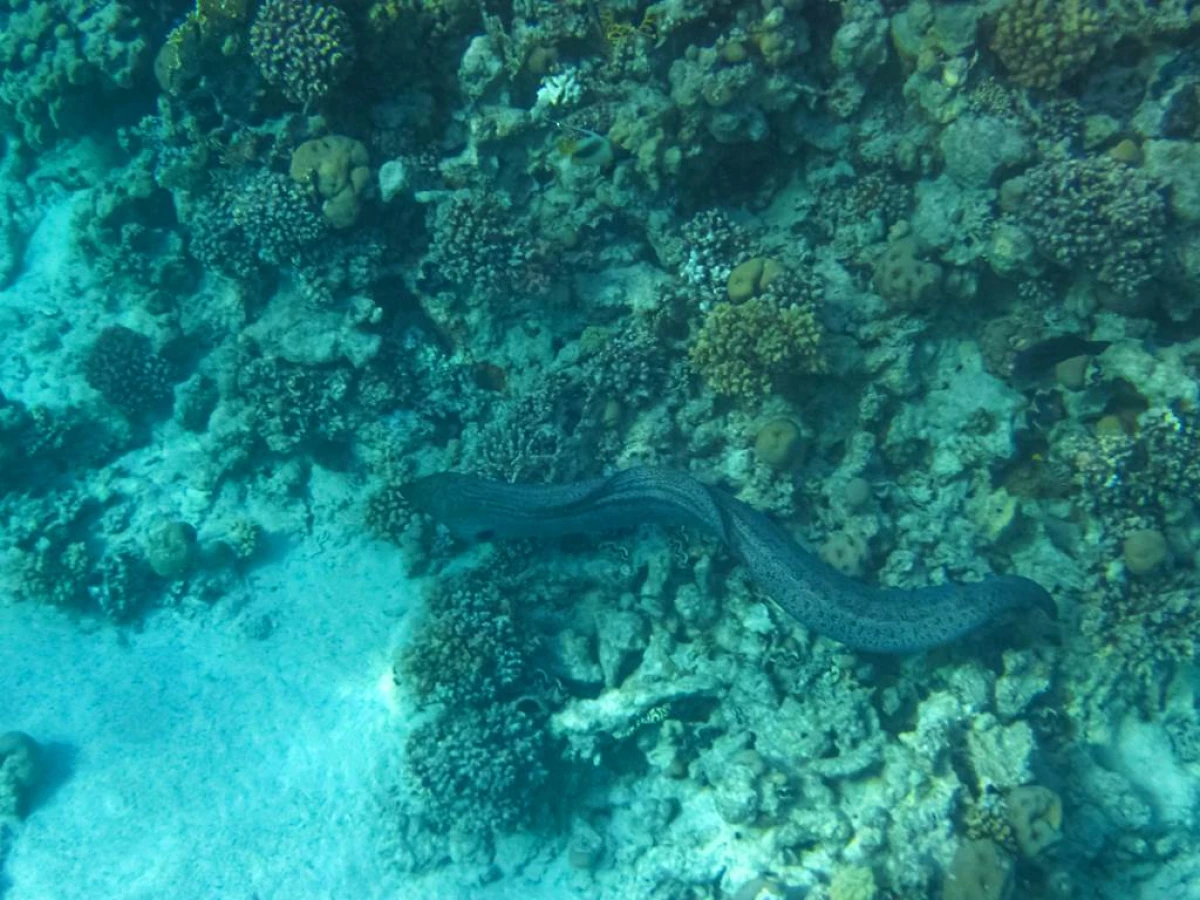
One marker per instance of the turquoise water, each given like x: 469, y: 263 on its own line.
x: 872, y: 303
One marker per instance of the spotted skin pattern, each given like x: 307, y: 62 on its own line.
x: 874, y: 619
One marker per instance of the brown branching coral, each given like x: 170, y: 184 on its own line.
x: 1043, y: 42
x: 1097, y: 216
x: 304, y: 48
x: 745, y: 349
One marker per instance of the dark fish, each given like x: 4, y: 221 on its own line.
x: 1032, y: 362
x: 876, y: 619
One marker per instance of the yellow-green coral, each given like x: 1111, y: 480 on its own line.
x: 743, y: 350
x: 219, y: 15
x: 303, y: 47
x: 441, y: 16
x: 1043, y: 42
x: 853, y: 883
x: 210, y: 21
x: 335, y: 167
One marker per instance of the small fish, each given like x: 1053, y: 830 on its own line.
x: 1032, y: 362
x: 589, y: 149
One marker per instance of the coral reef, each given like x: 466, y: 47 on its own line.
x: 59, y: 58
x: 920, y: 280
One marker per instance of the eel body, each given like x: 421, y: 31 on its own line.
x: 880, y: 620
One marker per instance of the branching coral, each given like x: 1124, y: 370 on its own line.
x: 1141, y: 630
x: 38, y: 443
x: 743, y: 350
x: 470, y: 649
x: 387, y: 514
x: 628, y: 366
x: 1043, y: 42
x: 57, y: 556
x: 1136, y: 484
x: 304, y: 47
x: 480, y: 245
x: 291, y: 405
x: 477, y: 770
x: 1136, y: 478
x: 264, y: 217
x: 1097, y: 215
x: 124, y: 368
x: 708, y: 242
x: 477, y: 765
x: 276, y: 217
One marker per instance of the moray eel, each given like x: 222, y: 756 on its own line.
x: 879, y: 620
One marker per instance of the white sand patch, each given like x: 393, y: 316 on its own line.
x: 204, y: 763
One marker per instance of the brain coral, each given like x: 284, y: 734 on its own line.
x: 335, y: 166
x: 304, y: 47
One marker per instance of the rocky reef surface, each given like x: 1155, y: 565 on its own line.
x: 920, y: 279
